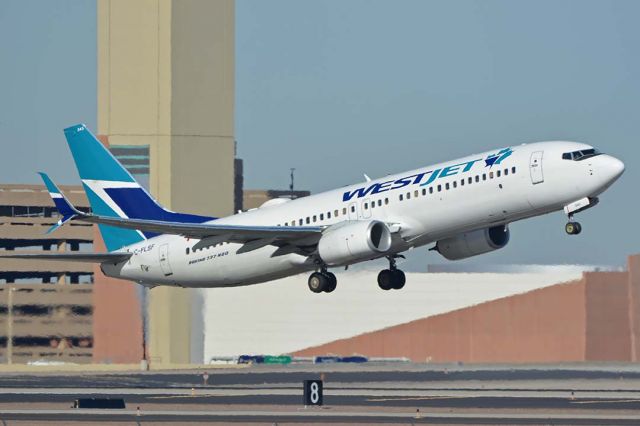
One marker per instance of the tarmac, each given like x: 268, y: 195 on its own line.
x: 372, y: 393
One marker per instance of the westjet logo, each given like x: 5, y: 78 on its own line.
x: 426, y: 178
x: 497, y: 158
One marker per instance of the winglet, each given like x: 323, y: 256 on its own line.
x: 65, y: 208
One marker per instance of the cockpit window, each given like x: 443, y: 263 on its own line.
x: 580, y: 155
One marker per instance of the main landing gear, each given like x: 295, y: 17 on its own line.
x: 322, y: 281
x: 392, y: 278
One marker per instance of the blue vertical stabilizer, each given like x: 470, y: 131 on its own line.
x: 112, y: 190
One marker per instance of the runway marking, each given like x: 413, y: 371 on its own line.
x: 608, y: 401
x: 415, y: 398
x: 183, y: 396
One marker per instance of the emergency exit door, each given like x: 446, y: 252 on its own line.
x: 535, y: 167
x: 164, y: 260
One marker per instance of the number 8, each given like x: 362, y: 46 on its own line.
x: 315, y: 396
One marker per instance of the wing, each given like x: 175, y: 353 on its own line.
x: 239, y: 233
x: 73, y: 257
x: 209, y: 233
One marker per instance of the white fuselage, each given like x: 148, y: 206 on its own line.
x: 423, y: 206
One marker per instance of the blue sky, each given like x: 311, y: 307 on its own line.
x: 341, y: 88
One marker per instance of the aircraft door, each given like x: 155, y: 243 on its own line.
x: 353, y: 211
x: 164, y: 260
x: 535, y: 167
x: 365, y: 208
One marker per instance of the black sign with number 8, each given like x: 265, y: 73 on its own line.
x: 313, y: 392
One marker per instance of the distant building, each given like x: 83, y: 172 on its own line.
x: 26, y: 213
x: 547, y: 315
x: 166, y: 90
x: 46, y: 308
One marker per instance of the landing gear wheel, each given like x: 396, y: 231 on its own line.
x: 573, y: 228
x: 578, y: 228
x: 318, y: 282
x: 385, y: 279
x: 391, y: 279
x: 399, y: 279
x: 332, y: 282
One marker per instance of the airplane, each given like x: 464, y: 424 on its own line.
x: 461, y: 207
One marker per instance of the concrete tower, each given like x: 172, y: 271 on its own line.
x: 166, y: 88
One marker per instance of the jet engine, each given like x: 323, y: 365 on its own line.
x: 354, y: 241
x: 473, y: 243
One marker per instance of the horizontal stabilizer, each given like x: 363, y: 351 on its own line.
x: 72, y: 257
x: 64, y: 207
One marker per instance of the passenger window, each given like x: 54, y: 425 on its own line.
x: 506, y: 172
x: 353, y: 209
x: 439, y: 188
x: 314, y: 218
x: 300, y: 222
x: 373, y: 204
x: 379, y: 203
x: 335, y: 213
x: 328, y: 215
x: 455, y: 183
x: 386, y: 201
x: 498, y: 173
x: 461, y: 182
x: 366, y: 206
x: 470, y: 180
x: 344, y: 211
x: 187, y: 250
x: 415, y: 193
x: 490, y: 175
x: 424, y: 191
x: 446, y: 186
x: 400, y: 197
x: 477, y: 178
x: 513, y: 170
x: 431, y: 190
x: 484, y: 176
x: 308, y: 220
x: 321, y: 216
x: 408, y: 195
x: 286, y: 224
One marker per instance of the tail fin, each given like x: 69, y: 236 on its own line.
x: 65, y: 208
x: 112, y: 191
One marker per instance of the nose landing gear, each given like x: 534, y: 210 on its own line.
x: 573, y: 228
x: 392, y: 278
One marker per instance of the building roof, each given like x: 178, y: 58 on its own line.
x: 284, y: 316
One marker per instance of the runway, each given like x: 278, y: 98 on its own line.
x: 353, y: 394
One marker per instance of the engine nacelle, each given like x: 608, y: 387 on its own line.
x: 353, y: 241
x: 473, y: 243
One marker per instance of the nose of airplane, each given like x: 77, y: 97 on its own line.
x: 612, y: 168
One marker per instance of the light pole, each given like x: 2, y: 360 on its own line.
x: 291, y: 184
x: 10, y: 325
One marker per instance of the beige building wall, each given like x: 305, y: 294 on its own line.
x: 166, y: 79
